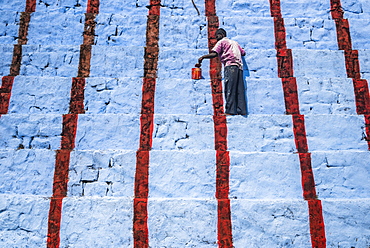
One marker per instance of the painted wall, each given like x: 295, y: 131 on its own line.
x: 106, y: 141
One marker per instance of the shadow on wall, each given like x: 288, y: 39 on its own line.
x: 245, y: 75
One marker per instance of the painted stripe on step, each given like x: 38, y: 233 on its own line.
x: 224, y: 228
x: 140, y: 221
x: 69, y: 130
x: 286, y: 73
x: 7, y: 81
x: 361, y: 87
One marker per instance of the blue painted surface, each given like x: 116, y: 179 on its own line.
x: 265, y: 187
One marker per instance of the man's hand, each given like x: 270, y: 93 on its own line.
x: 208, y: 56
x: 199, y: 64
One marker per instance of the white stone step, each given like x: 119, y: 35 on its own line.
x: 176, y: 132
x: 55, y: 28
x: 51, y: 95
x: 121, y: 61
x: 24, y: 220
x: 187, y: 173
x: 178, y: 221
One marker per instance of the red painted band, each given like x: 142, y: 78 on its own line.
x: 55, y: 215
x: 23, y: 28
x: 220, y: 128
x: 280, y: 33
x: 352, y: 64
x: 336, y: 9
x: 69, y: 130
x: 285, y: 63
x: 222, y: 174
x: 361, y: 87
x: 5, y: 93
x: 344, y: 36
x: 155, y: 8
x: 76, y: 105
x: 299, y: 130
x: 16, y: 60
x: 308, y: 182
x: 362, y: 96
x: 316, y: 223
x: 30, y: 6
x: 275, y: 8
x: 224, y: 233
x: 224, y: 225
x: 286, y: 73
x: 61, y: 173
x: 290, y: 95
x: 140, y: 221
x: 148, y: 94
x: 7, y: 81
x: 142, y: 174
x: 56, y: 201
x: 84, y: 61
x: 93, y: 6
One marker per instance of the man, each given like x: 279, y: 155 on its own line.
x: 230, y: 53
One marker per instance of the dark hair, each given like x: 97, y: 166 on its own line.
x: 221, y: 31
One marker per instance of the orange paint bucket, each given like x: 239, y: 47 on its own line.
x: 196, y: 73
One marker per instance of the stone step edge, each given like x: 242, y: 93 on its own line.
x: 175, y: 115
x: 188, y: 79
x: 205, y: 73
x: 163, y: 48
x: 236, y: 14
x: 131, y: 198
x: 188, y: 151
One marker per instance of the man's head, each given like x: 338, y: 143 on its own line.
x: 220, y: 33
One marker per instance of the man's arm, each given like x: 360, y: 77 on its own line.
x: 211, y: 55
x: 242, y: 52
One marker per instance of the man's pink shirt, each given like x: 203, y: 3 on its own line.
x: 229, y: 52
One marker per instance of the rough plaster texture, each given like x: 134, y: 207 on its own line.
x: 267, y: 207
x: 284, y: 220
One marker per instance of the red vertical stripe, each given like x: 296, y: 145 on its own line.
x: 140, y: 221
x: 290, y: 95
x: 70, y: 121
x: 343, y: 37
x: 56, y: 201
x: 23, y: 28
x: 308, y: 182
x: 93, y: 6
x: 30, y: 6
x: 224, y: 225
x: 222, y: 174
x: 69, y: 131
x: 286, y: 73
x: 285, y: 62
x: 7, y: 81
x: 361, y: 87
x: 76, y: 105
x: 299, y: 130
x: 16, y: 60
x: 5, y: 93
x: 317, y: 223
x: 55, y: 215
